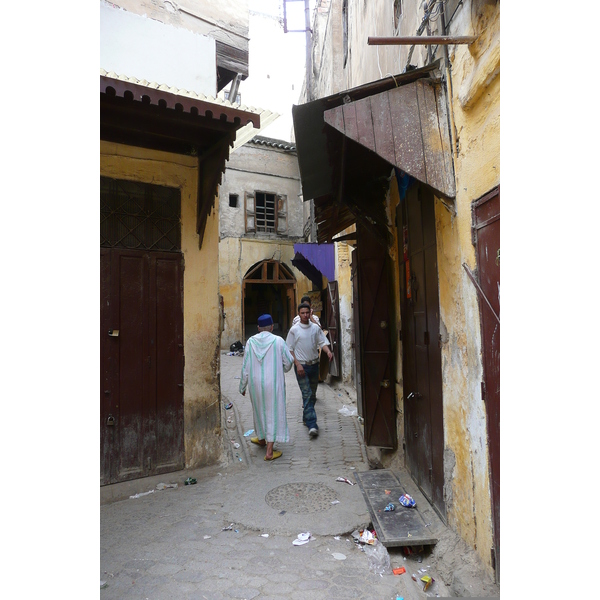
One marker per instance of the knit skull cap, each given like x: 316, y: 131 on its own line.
x: 265, y: 320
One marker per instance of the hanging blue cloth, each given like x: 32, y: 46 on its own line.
x: 403, y: 180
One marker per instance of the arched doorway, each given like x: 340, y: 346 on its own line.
x: 269, y: 287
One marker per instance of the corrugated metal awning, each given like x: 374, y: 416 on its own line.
x: 348, y: 143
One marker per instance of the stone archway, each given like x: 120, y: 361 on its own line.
x: 268, y: 287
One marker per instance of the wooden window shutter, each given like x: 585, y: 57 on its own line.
x: 250, y: 212
x: 281, y: 214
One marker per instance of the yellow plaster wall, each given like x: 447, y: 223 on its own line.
x: 475, y: 97
x: 343, y: 274
x: 202, y: 421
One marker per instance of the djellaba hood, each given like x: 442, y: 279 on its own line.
x: 260, y: 344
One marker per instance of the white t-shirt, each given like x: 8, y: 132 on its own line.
x: 305, y: 340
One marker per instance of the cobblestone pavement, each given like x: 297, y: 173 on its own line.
x: 176, y: 543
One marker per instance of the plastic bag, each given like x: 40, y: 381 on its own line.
x: 379, y: 559
x: 348, y: 412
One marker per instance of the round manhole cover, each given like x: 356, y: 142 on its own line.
x: 301, y: 498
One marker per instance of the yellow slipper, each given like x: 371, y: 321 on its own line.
x: 276, y: 454
x: 255, y: 440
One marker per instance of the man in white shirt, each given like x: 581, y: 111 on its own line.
x: 304, y: 340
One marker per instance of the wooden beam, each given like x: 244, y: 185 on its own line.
x: 421, y: 40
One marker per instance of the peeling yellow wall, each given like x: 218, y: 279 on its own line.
x: 343, y: 274
x: 236, y: 256
x: 475, y: 98
x: 202, y: 421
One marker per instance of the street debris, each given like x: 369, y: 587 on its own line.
x: 103, y: 584
x: 338, y: 556
x: 265, y: 535
x: 235, y: 444
x: 379, y: 559
x: 190, y: 481
x: 344, y: 480
x: 348, y: 412
x: 207, y: 537
x: 141, y: 494
x: 236, y: 347
x: 228, y: 406
x: 399, y: 571
x: 390, y: 508
x: 335, y: 502
x: 249, y: 432
x: 428, y: 581
x: 162, y: 486
x: 228, y: 528
x: 303, y: 538
x: 407, y: 501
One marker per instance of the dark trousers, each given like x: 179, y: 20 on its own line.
x: 308, y: 387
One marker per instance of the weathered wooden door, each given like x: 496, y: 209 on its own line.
x: 333, y: 310
x: 141, y: 348
x: 421, y: 356
x: 486, y: 225
x: 377, y: 364
x: 356, y: 354
x: 141, y: 331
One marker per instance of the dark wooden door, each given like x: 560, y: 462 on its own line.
x: 377, y: 362
x: 421, y: 356
x: 356, y: 355
x: 333, y: 328
x: 486, y: 217
x: 141, y: 349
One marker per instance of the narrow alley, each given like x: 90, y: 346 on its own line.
x: 230, y: 536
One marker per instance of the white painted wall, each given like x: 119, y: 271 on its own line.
x: 139, y: 47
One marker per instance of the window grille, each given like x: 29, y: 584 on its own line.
x: 265, y: 212
x: 139, y: 216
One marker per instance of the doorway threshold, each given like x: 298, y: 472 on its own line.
x: 417, y: 526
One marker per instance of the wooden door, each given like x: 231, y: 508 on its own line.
x: 356, y: 354
x: 486, y: 224
x: 377, y: 372
x: 421, y: 356
x: 141, y: 349
x: 333, y: 310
